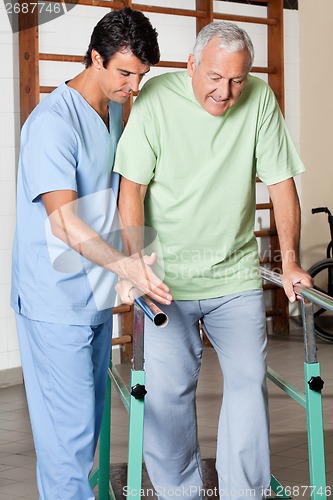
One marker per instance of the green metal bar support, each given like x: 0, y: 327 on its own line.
x: 135, y: 438
x: 314, y: 417
x: 121, y: 388
x: 278, y: 489
x: 104, y: 446
x: 101, y: 474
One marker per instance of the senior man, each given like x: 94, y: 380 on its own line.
x: 198, y: 140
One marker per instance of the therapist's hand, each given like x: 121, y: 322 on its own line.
x: 127, y: 292
x: 137, y: 271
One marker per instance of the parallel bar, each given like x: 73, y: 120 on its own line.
x: 152, y: 311
x: 288, y: 388
x: 121, y: 387
x: 318, y: 298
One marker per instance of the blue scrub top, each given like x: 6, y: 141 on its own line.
x: 65, y: 145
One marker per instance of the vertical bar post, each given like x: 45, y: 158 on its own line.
x: 104, y: 445
x: 136, y: 411
x: 314, y: 415
x: 138, y: 338
x: 135, y: 439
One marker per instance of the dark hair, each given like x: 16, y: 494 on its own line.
x: 124, y: 29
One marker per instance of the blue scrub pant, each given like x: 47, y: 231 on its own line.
x: 65, y: 375
x: 235, y: 325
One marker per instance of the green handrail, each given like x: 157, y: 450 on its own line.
x: 311, y: 400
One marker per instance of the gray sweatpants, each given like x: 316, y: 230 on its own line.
x: 235, y: 325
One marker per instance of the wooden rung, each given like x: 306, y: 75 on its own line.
x: 46, y: 90
x: 161, y: 64
x: 125, y: 339
x: 269, y: 286
x: 273, y: 312
x: 122, y: 308
x: 60, y: 57
x: 245, y: 19
x: 270, y: 70
x: 265, y: 232
x: 170, y: 10
x: 172, y: 64
x: 269, y: 260
x: 95, y: 3
x: 264, y: 206
x: 78, y: 59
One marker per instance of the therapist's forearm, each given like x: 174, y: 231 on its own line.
x: 75, y: 233
x: 62, y: 210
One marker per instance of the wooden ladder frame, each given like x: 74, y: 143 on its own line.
x: 30, y: 90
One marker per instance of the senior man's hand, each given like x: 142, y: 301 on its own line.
x: 292, y: 275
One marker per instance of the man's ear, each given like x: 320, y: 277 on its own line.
x: 190, y: 64
x: 96, y: 59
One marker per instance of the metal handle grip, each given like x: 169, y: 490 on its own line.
x: 318, y: 210
x: 154, y: 313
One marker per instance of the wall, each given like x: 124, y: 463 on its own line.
x: 176, y: 37
x: 316, y: 125
x: 9, y: 141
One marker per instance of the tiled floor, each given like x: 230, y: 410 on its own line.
x: 288, y: 425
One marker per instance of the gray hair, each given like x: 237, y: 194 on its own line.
x: 233, y: 39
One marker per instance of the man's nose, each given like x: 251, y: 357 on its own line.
x: 224, y: 88
x: 134, y: 82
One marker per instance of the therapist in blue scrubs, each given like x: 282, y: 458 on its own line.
x: 66, y: 255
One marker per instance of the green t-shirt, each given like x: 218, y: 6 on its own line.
x: 201, y: 172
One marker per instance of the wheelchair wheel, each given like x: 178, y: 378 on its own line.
x: 322, y: 273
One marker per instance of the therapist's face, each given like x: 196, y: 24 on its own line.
x: 121, y: 77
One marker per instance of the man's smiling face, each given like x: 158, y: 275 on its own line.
x: 220, y: 77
